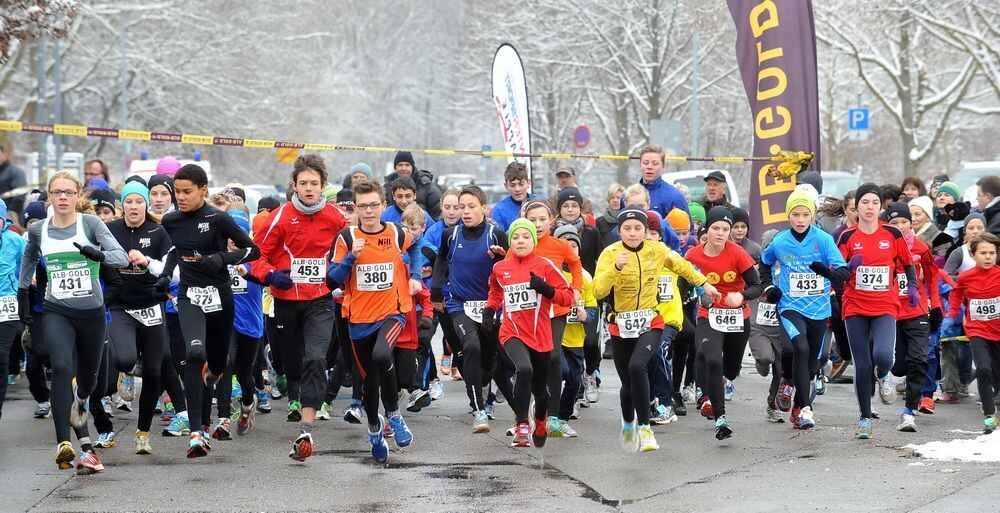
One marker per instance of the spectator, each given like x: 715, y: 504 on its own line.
x: 935, y: 183
x: 566, y: 177
x: 663, y: 197
x: 515, y: 180
x: 913, y: 188
x: 568, y: 210
x: 428, y: 192
x: 715, y: 192
x: 891, y: 193
x: 95, y: 168
x: 359, y: 172
x: 989, y: 202
x: 11, y: 177
x: 607, y: 223
x: 167, y: 166
x: 921, y: 212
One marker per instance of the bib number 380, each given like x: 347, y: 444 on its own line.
x: 375, y: 277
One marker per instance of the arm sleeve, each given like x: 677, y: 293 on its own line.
x: 575, y: 268
x: 246, y: 250
x: 766, y: 278
x: 606, y: 274
x: 564, y: 295
x: 684, y: 269
x: 956, y: 298
x: 494, y: 299
x: 113, y: 284
x: 441, y: 262
x: 953, y: 263
x: 911, y: 274
x: 32, y: 254
x: 267, y: 241
x: 342, y: 262
x: 416, y: 258
x: 752, y: 288
x: 931, y: 279
x: 114, y: 255
x: 839, y: 272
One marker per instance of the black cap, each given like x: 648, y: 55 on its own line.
x: 633, y: 212
x: 565, y: 169
x: 569, y: 194
x: 136, y: 178
x: 717, y: 214
x: 897, y: 209
x: 239, y: 192
x: 268, y: 203
x: 102, y: 198
x: 740, y: 216
x: 403, y: 156
x: 867, y: 188
x: 716, y: 175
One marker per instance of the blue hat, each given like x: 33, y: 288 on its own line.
x: 135, y: 187
x: 241, y: 219
x: 34, y: 210
x: 362, y: 167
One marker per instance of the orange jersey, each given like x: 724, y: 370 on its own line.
x: 378, y: 285
x: 559, y: 252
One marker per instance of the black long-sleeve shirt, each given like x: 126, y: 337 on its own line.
x: 139, y: 283
x: 199, y: 234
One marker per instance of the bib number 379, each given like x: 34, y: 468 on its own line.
x: 206, y: 298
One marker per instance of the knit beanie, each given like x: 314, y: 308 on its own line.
x: 523, y: 223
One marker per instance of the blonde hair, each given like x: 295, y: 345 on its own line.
x: 450, y: 192
x: 65, y: 175
x: 84, y: 206
x: 652, y: 148
x: 614, y: 189
x: 636, y: 190
x: 413, y: 214
x: 220, y: 201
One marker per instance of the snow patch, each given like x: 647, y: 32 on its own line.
x: 984, y: 448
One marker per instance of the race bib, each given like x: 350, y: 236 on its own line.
x: 984, y: 309
x: 805, y: 284
x: 665, y: 289
x: 72, y: 283
x: 767, y: 314
x: 901, y: 282
x: 726, y: 320
x: 634, y: 323
x: 8, y: 309
x: 474, y: 310
x: 237, y: 282
x: 375, y: 277
x: 309, y: 270
x: 872, y: 278
x: 574, y: 313
x: 206, y: 298
x: 518, y: 297
x: 151, y: 316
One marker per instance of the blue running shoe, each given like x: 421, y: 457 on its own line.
x: 730, y: 390
x: 263, y: 401
x: 179, y: 426
x: 380, y: 449
x: 403, y: 435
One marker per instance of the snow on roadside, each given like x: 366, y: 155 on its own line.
x: 983, y: 448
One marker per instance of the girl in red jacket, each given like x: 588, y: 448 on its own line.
x: 527, y: 286
x: 978, y: 291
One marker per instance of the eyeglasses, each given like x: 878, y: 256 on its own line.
x: 68, y: 192
x: 368, y: 206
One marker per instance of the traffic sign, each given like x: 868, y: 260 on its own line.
x: 857, y: 119
x: 581, y: 136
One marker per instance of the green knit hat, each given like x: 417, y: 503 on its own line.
x: 951, y: 189
x: 523, y: 223
x: 697, y: 211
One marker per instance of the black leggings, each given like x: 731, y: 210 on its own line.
x: 8, y: 330
x: 478, y: 350
x: 530, y: 378
x: 207, y: 336
x: 305, y: 328
x: 106, y: 386
x: 632, y: 357
x: 451, y: 340
x: 38, y: 360
x: 68, y: 337
x: 910, y: 360
x: 805, y: 337
x: 592, y: 346
x: 870, y: 338
x: 374, y: 361
x: 986, y: 354
x: 124, y: 332
x: 839, y: 328
x: 719, y: 355
x: 172, y: 369
x: 242, y: 357
x: 555, y: 363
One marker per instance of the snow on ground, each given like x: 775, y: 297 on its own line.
x: 984, y: 448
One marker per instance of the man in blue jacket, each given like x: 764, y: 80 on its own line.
x: 515, y: 180
x: 663, y: 197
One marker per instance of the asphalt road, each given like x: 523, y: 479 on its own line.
x: 764, y: 467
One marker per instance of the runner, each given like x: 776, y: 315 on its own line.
x: 201, y: 235
x: 629, y: 271
x: 465, y: 260
x: 73, y: 247
x: 161, y: 194
x: 977, y: 292
x: 294, y: 247
x: 515, y: 180
x: 874, y: 252
x: 807, y: 260
x: 11, y: 251
x: 526, y: 286
x: 368, y: 261
x: 722, y: 328
x: 668, y: 308
x: 451, y: 214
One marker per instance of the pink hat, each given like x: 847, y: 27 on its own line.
x: 167, y: 166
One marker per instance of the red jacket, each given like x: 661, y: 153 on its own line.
x: 927, y: 283
x: 288, y: 233
x: 532, y: 324
x: 409, y: 338
x: 978, y: 290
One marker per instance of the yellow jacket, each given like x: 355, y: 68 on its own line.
x: 670, y: 306
x: 575, y: 334
x: 635, y: 287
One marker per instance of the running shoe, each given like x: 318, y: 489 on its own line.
x: 926, y: 406
x: 121, y: 404
x: 168, y: 415
x: 664, y: 415
x: 590, y: 391
x: 900, y: 387
x: 907, y: 423
x: 323, y: 413
x: 629, y: 437
x: 837, y: 369
x: 722, y: 429
x: 554, y: 426
x: 419, y: 399
x: 403, y: 436
x: 679, y: 408
x: 568, y: 431
x: 248, y: 415
x: 989, y: 425
x: 43, y: 410
x: 445, y: 365
x: 142, y: 445
x: 436, y: 390
x: 263, y: 402
x: 455, y: 375
x: 865, y: 429
x: 875, y: 413
x: 785, y: 391
x: 65, y: 455
x: 387, y: 431
x: 521, y: 436
x: 78, y: 410
x: 302, y: 448
x: 820, y: 386
x: 480, y: 422
x: 236, y: 390
x: 160, y: 407
x: 11, y: 379
x: 575, y: 414
x: 220, y: 431
x: 963, y: 390
x: 647, y: 442
x: 806, y: 418
x: 179, y: 426
x: 793, y: 417
x: 774, y: 415
x: 730, y: 389
x: 209, y: 379
x: 489, y: 411
x: 688, y: 394
x: 540, y: 434
x: 294, y: 411
x: 126, y: 386
x: 106, y: 440
x: 706, y: 410
x: 353, y: 413
x: 108, y: 408
x: 949, y: 399
x: 88, y: 464
x: 886, y: 390
x: 380, y: 449
x: 198, y: 445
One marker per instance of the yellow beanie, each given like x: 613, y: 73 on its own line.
x: 799, y: 197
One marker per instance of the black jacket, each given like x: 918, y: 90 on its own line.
x: 12, y: 177
x: 138, y: 283
x: 428, y: 192
x: 992, y: 215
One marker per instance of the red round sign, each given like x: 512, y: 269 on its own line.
x: 581, y: 136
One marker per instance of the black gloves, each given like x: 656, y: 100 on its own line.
x: 772, y: 294
x: 211, y: 263
x: 90, y: 252
x: 280, y: 279
x: 820, y: 269
x: 936, y: 316
x: 425, y: 322
x: 437, y: 296
x: 539, y: 285
x: 490, y: 322
x: 24, y: 307
x: 958, y: 210
x: 163, y: 284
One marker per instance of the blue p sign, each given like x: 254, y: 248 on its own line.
x: 857, y: 119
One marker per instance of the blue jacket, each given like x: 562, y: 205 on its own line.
x: 11, y: 250
x: 392, y: 214
x: 663, y: 198
x: 507, y: 210
x: 249, y: 318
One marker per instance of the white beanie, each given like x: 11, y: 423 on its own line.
x: 925, y: 204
